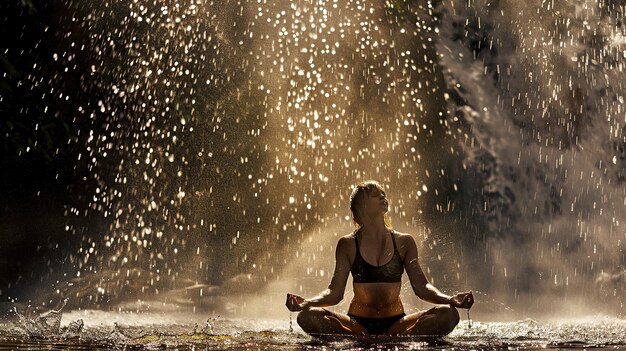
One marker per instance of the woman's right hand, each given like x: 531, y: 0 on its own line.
x: 463, y: 300
x: 295, y: 303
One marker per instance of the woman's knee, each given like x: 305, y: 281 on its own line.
x: 449, y: 317
x: 310, y: 319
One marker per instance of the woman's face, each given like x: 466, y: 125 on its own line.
x: 376, y: 201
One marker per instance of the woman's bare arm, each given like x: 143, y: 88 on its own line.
x: 421, y: 287
x: 334, y: 294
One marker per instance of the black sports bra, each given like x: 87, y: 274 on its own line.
x: 390, y: 272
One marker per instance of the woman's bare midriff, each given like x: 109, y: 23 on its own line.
x: 376, y: 300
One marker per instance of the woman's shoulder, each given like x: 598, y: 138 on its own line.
x: 401, y: 235
x: 348, y: 238
x: 347, y: 244
x: 403, y: 238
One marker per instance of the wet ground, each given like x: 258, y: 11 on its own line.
x: 96, y: 330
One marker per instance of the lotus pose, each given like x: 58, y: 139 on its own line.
x: 377, y: 256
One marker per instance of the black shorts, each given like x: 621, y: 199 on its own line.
x: 376, y: 325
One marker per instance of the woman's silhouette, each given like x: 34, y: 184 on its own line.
x: 376, y: 256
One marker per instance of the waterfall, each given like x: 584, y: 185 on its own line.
x: 208, y: 148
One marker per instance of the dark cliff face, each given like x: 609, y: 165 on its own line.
x: 535, y: 97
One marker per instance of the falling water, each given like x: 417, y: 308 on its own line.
x: 537, y: 92
x: 212, y: 146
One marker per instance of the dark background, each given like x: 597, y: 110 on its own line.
x: 40, y: 179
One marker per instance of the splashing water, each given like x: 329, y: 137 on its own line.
x: 180, y: 331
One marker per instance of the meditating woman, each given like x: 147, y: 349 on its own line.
x: 376, y: 255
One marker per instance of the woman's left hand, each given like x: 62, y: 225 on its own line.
x: 295, y: 303
x: 463, y: 300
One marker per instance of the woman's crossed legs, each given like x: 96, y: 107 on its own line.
x: 437, y: 321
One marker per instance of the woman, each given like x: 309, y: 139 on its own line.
x: 376, y: 256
